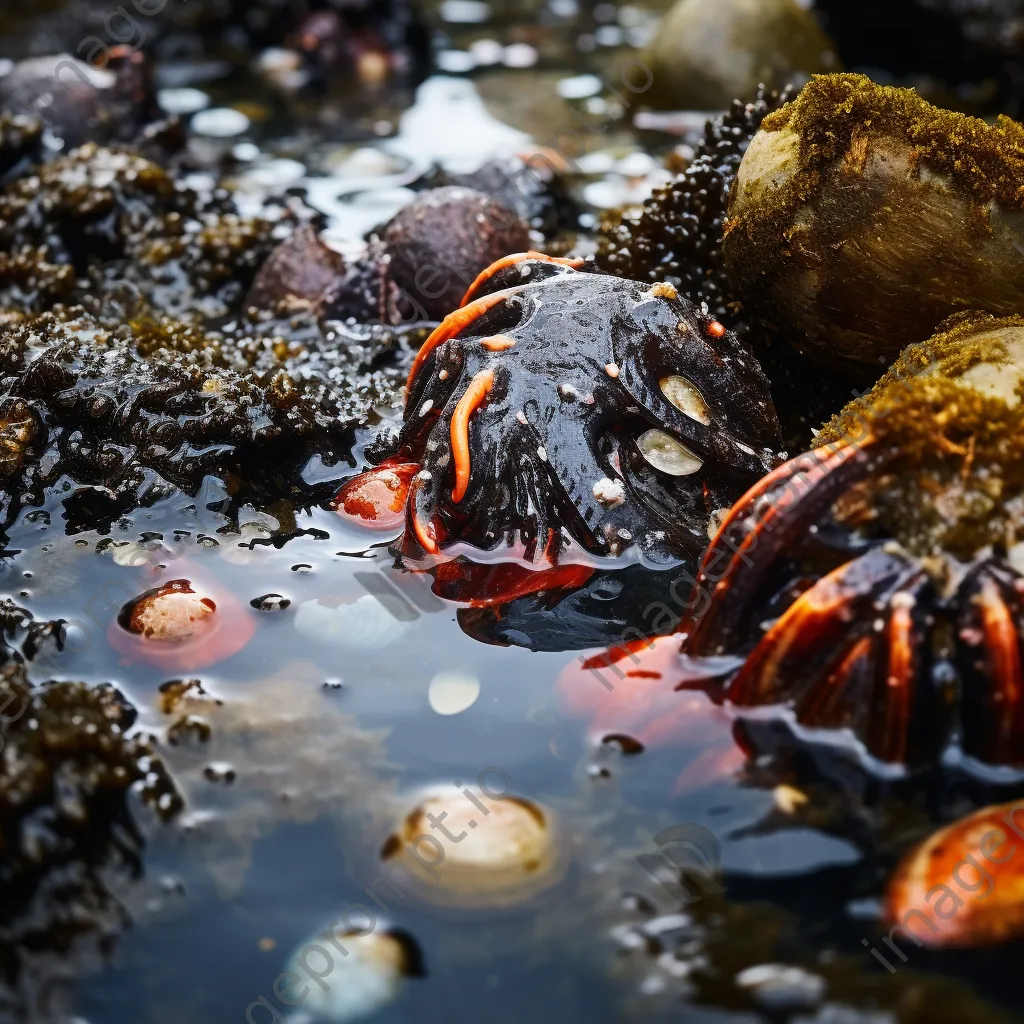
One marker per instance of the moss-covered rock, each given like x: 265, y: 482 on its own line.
x: 863, y: 216
x: 951, y: 410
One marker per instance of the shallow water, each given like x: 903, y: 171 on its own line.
x: 328, y: 729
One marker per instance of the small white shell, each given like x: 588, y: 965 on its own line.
x: 686, y: 398
x: 667, y: 455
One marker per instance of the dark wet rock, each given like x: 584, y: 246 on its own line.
x: 66, y: 758
x: 606, y: 411
x: 355, y: 44
x: 24, y: 637
x: 534, y: 187
x: 365, y: 292
x: 418, y: 266
x: 80, y: 102
x: 228, y: 33
x: 71, y: 781
x: 706, y: 52
x: 296, y: 274
x: 441, y: 241
x: 21, y: 144
x: 70, y: 776
x: 118, y: 220
x: 711, y: 952
x: 127, y: 410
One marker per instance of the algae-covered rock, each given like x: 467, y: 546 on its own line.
x: 862, y: 217
x: 707, y: 52
x: 951, y: 410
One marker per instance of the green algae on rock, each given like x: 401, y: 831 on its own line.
x: 951, y: 410
x: 862, y: 217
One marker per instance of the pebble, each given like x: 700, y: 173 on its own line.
x: 779, y: 988
x: 451, y: 693
x: 579, y: 87
x: 182, y: 101
x: 220, y: 123
x: 487, y: 52
x: 465, y: 12
x: 520, y: 55
x: 456, y: 62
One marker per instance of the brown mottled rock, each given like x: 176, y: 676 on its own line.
x: 296, y: 273
x: 80, y: 102
x: 441, y: 241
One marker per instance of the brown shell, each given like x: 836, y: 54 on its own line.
x: 964, y: 885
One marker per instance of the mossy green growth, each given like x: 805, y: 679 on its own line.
x: 832, y: 110
x: 863, y: 217
x: 950, y: 413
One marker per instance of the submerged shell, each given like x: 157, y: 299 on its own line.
x: 339, y: 975
x: 476, y: 850
x: 181, y: 626
x: 964, y: 885
x: 863, y: 216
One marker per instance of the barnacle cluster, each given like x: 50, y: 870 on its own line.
x: 677, y: 236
